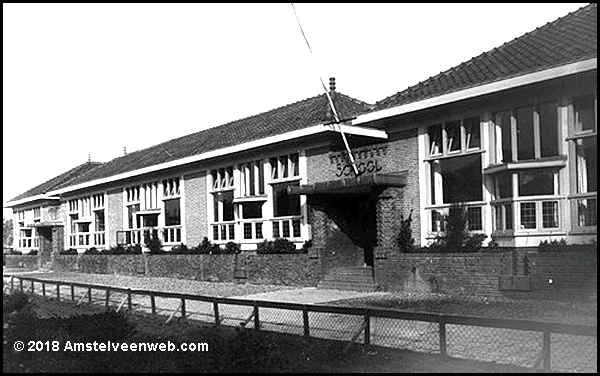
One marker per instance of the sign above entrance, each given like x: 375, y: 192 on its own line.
x: 368, y: 160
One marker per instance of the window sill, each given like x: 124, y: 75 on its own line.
x: 258, y: 198
x: 558, y: 161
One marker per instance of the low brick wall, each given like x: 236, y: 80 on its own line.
x: 22, y: 261
x: 294, y: 269
x: 573, y: 273
x: 65, y: 263
x: 475, y: 273
x: 125, y: 264
x: 195, y: 267
x: 96, y: 264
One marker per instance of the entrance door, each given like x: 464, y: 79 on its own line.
x: 45, y: 236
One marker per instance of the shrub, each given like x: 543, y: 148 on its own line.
x: 33, y: 252
x: 232, y: 248
x: 306, y: 246
x: 69, y: 251
x: 180, y: 249
x: 153, y: 243
x: 456, y: 228
x: 553, y: 246
x: 473, y: 243
x: 92, y: 251
x: 278, y: 246
x: 134, y: 249
x: 14, y: 252
x: 405, y: 240
x: 205, y: 247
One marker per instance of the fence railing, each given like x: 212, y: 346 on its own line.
x: 549, y: 346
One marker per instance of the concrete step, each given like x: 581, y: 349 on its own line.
x: 351, y: 286
x: 349, y: 278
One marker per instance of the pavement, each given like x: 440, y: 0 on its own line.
x: 306, y: 295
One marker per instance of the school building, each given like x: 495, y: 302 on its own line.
x: 511, y: 133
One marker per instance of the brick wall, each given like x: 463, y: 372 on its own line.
x: 574, y: 274
x: 195, y: 208
x: 451, y: 273
x: 294, y: 269
x: 114, y: 216
x: 22, y: 261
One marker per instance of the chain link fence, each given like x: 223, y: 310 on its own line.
x: 536, y: 345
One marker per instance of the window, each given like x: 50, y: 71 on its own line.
x: 98, y: 201
x: 285, y: 166
x: 454, y: 170
x: 538, y: 182
x: 171, y: 187
x: 74, y: 205
x: 150, y: 196
x: 37, y: 212
x: 457, y: 179
x: 222, y: 178
x: 454, y: 136
x: 99, y: 220
x: 527, y: 133
x: 584, y: 153
x: 132, y: 221
x: 253, y: 178
x: 223, y: 207
x: 172, y: 212
x: 283, y: 203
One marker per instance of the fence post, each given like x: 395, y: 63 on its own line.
x: 107, y: 296
x: 129, y: 303
x: 305, y: 319
x: 58, y: 292
x: 442, y: 324
x: 153, y: 304
x: 12, y: 283
x: 44, y: 289
x: 183, y: 308
x: 21, y: 284
x: 89, y: 295
x: 546, y: 352
x: 32, y: 289
x: 367, y: 328
x: 256, y: 319
x: 216, y: 309
x: 72, y: 292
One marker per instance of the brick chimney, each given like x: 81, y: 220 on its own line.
x: 332, y: 84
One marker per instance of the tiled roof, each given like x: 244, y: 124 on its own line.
x: 60, y: 180
x: 567, y: 40
x: 302, y: 114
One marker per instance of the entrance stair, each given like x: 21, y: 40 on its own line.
x: 352, y: 278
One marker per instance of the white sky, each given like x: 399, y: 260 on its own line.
x: 90, y: 79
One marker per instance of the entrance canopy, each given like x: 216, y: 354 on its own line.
x: 353, y: 185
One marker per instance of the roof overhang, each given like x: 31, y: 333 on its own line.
x: 309, y: 131
x: 31, y: 199
x: 46, y: 224
x: 354, y: 185
x: 509, y: 83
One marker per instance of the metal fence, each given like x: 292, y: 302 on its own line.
x: 537, y: 345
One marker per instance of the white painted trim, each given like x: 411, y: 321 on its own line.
x: 30, y: 199
x: 321, y: 128
x: 565, y: 70
x: 362, y: 131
